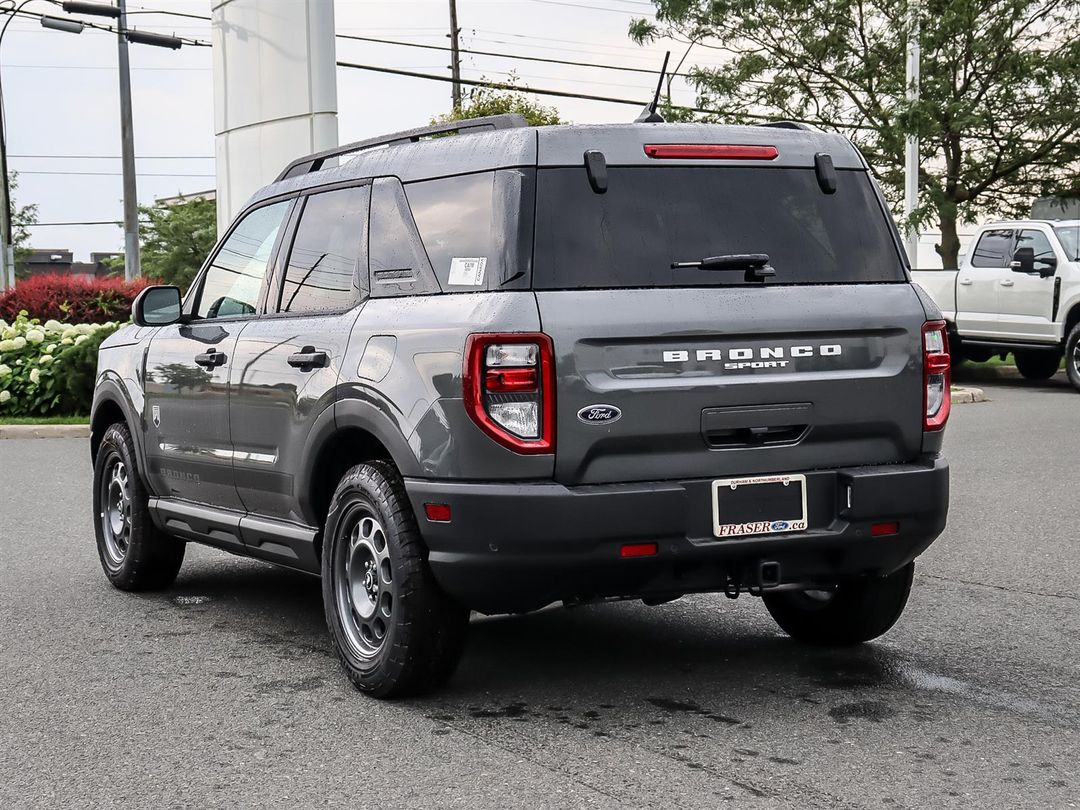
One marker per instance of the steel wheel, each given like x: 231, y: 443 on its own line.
x: 364, y: 586
x: 1075, y: 359
x: 115, y: 512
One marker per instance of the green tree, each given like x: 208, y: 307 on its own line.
x: 997, y: 115
x: 176, y: 239
x: 481, y: 101
x: 23, y: 217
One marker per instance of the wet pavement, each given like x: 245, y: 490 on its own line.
x: 222, y: 692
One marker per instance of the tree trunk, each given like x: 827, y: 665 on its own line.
x: 949, y: 248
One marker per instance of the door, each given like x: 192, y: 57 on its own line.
x: 1026, y: 300
x: 288, y: 360
x: 189, y: 449
x: 978, y: 283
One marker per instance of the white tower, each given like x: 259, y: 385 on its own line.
x: 275, y: 91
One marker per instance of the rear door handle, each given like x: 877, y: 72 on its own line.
x: 966, y: 282
x: 210, y: 359
x: 1007, y: 282
x: 308, y: 358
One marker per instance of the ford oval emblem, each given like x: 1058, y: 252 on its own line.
x: 599, y: 414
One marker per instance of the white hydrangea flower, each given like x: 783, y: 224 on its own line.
x: 19, y: 342
x: 3, y: 324
x: 5, y: 396
x: 7, y: 345
x: 81, y: 339
x: 45, y: 359
x: 85, y: 328
x: 67, y: 342
x: 5, y: 371
x: 35, y: 335
x: 8, y: 332
x: 69, y: 333
x: 35, y: 376
x: 50, y: 348
x: 52, y: 325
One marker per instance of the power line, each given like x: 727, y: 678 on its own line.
x: 582, y: 5
x: 114, y: 174
x: 113, y: 157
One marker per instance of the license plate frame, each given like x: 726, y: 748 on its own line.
x: 763, y: 525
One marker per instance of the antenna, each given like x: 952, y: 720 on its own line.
x: 649, y: 115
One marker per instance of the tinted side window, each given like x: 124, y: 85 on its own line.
x: 323, y: 272
x: 399, y: 265
x: 1037, y: 241
x: 992, y: 249
x: 476, y: 227
x: 236, y: 274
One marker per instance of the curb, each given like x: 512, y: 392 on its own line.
x: 964, y: 394
x: 44, y: 431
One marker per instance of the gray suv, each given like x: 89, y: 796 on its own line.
x: 518, y: 366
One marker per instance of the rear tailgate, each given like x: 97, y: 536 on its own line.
x: 733, y: 382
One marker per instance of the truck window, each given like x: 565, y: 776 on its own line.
x: 396, y: 257
x: 323, y: 269
x: 993, y: 248
x: 232, y: 283
x: 1039, y: 242
x: 651, y: 217
x: 1069, y: 236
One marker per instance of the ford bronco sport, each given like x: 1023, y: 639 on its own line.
x: 523, y: 365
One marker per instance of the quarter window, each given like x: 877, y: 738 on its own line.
x: 231, y: 285
x: 993, y: 248
x: 323, y: 272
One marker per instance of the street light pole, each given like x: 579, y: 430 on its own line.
x: 911, y: 147
x: 132, y: 268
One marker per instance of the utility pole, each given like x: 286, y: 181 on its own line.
x: 455, y: 55
x: 911, y: 148
x: 7, y: 266
x: 132, y: 268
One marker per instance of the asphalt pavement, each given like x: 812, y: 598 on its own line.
x: 222, y: 692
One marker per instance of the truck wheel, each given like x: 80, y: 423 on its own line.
x: 1072, y: 356
x: 852, y: 613
x: 135, y: 554
x: 394, y: 630
x: 1037, y: 365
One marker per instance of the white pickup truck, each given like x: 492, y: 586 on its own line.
x: 1017, y: 290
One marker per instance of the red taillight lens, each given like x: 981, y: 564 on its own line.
x: 709, y: 151
x: 937, y: 376
x: 510, y: 389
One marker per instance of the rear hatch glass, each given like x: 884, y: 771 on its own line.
x: 653, y: 216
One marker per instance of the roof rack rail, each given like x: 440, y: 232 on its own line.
x: 786, y: 125
x: 314, y: 162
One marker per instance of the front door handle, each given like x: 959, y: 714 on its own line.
x: 966, y: 282
x: 1007, y: 282
x: 210, y: 359
x: 308, y: 358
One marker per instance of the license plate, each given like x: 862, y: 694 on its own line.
x: 768, y: 504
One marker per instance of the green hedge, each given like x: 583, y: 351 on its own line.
x: 48, y: 369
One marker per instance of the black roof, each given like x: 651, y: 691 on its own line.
x: 415, y: 155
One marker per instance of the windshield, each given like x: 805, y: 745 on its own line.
x: 1069, y: 236
x: 651, y: 217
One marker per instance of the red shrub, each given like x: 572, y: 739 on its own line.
x: 71, y: 299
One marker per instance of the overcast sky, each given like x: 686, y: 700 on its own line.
x: 60, y: 92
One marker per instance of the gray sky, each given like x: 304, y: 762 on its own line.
x: 60, y: 92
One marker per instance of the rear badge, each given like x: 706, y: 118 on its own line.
x: 599, y: 414
x: 155, y: 412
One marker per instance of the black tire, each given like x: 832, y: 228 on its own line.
x: 134, y: 553
x: 395, y: 632
x: 1072, y: 356
x: 1034, y: 364
x: 851, y: 614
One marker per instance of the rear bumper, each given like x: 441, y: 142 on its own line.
x: 517, y: 547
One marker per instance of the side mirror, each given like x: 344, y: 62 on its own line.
x: 1048, y: 266
x: 1023, y: 260
x: 156, y: 306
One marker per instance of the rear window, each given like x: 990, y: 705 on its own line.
x: 650, y: 217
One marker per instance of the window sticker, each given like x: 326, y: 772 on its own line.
x: 467, y: 272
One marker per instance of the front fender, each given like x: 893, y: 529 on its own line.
x: 111, y: 390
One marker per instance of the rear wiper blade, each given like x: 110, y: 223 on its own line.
x: 756, y: 265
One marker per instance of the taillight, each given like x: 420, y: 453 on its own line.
x: 709, y: 151
x: 510, y: 389
x: 937, y: 399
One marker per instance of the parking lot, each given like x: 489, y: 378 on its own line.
x: 222, y: 692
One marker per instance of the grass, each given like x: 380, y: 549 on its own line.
x: 44, y: 420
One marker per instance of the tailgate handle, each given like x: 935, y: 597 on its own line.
x: 756, y: 426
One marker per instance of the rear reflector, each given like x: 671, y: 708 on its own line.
x: 437, y: 512
x: 709, y: 151
x: 884, y: 529
x: 638, y: 550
